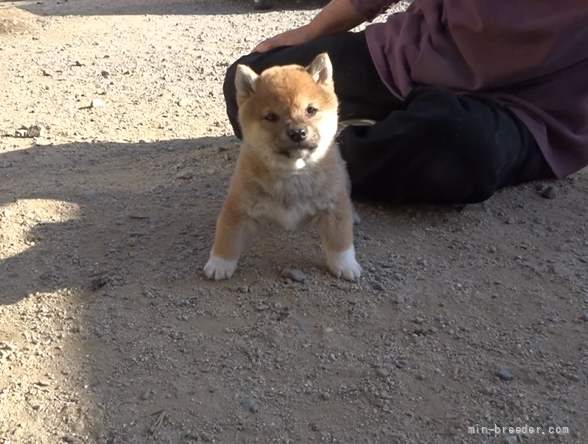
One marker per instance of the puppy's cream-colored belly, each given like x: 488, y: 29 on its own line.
x: 289, y: 218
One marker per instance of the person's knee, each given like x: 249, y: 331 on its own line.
x: 230, y: 94
x: 454, y: 177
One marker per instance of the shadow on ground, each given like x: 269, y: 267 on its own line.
x: 155, y: 7
x: 77, y: 213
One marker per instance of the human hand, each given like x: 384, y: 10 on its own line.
x: 289, y: 38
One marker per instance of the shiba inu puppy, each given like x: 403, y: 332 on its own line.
x: 289, y: 171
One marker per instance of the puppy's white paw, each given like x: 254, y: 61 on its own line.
x: 343, y: 264
x: 218, y: 268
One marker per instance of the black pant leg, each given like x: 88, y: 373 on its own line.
x: 441, y: 148
x: 361, y: 92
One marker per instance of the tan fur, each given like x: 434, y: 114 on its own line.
x: 283, y: 180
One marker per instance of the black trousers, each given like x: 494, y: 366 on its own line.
x: 435, y: 146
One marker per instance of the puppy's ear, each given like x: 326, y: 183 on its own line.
x: 245, y: 81
x: 321, y: 69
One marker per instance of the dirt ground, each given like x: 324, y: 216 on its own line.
x: 109, y: 333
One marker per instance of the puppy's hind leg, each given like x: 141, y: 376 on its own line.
x: 336, y: 230
x: 232, y: 228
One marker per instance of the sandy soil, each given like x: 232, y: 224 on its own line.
x: 109, y: 332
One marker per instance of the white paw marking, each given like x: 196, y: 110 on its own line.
x: 343, y: 264
x: 218, y: 268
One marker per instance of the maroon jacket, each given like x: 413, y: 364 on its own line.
x: 530, y: 56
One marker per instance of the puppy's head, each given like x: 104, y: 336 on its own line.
x: 289, y: 112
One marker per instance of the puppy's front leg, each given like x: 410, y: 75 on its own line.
x: 336, y: 230
x: 231, y: 230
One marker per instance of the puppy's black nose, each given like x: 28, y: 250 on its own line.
x: 297, y: 134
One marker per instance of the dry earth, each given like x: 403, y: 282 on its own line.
x: 110, y: 334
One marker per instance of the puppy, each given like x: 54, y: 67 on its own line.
x: 289, y: 171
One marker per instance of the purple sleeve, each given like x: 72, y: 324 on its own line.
x: 370, y: 9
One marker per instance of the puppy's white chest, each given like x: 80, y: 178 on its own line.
x: 290, y: 217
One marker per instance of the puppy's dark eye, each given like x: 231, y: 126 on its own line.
x: 311, y: 111
x: 271, y: 117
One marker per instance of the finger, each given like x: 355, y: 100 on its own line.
x: 261, y: 47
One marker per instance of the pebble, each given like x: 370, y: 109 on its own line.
x: 36, y: 130
x: 383, y: 372
x: 295, y: 275
x: 91, y: 194
x: 398, y: 299
x: 418, y: 320
x: 379, y: 286
x: 385, y: 395
x: 146, y: 394
x: 301, y: 325
x: 251, y: 405
x: 105, y: 73
x: 487, y: 391
x: 184, y: 175
x: 504, y: 374
x: 549, y: 192
x: 97, y: 103
x: 183, y: 103
x: 510, y: 439
x: 585, y: 317
x: 206, y: 437
x: 326, y: 396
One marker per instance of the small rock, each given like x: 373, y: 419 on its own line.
x: 21, y: 133
x: 206, y: 437
x: 36, y: 130
x: 184, y: 175
x: 251, y: 405
x: 47, y: 73
x: 183, y: 103
x: 510, y: 439
x: 105, y: 73
x: 585, y: 317
x: 504, y: 374
x: 78, y: 63
x: 146, y: 394
x: 487, y: 391
x: 379, y: 286
x: 385, y: 395
x: 418, y: 320
x: 383, y: 372
x: 326, y: 396
x: 295, y: 275
x: 398, y: 299
x: 549, y: 192
x: 301, y: 325
x: 97, y: 103
x: 91, y: 194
